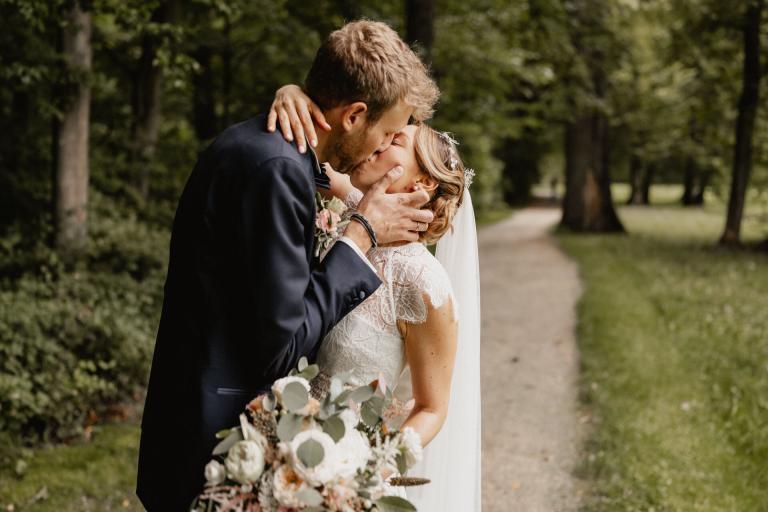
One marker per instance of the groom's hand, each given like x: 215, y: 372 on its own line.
x: 394, y: 217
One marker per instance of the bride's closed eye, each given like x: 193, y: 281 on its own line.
x: 400, y: 140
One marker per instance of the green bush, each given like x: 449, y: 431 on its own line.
x: 75, y: 340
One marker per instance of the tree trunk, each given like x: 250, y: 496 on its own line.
x: 420, y: 27
x: 71, y: 182
x: 745, y: 123
x: 204, y: 101
x: 645, y: 198
x: 146, y: 98
x: 704, y: 177
x: 689, y: 182
x: 635, y: 180
x: 226, y: 74
x: 588, y: 205
x: 694, y: 183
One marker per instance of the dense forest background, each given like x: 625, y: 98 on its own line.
x: 106, y: 103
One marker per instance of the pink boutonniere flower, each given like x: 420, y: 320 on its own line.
x: 328, y: 222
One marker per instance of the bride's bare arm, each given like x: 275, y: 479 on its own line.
x: 295, y: 111
x: 430, y: 349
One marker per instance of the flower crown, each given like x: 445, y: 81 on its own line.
x: 469, y: 174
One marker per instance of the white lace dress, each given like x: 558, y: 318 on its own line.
x: 367, y: 341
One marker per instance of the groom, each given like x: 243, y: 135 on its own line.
x: 244, y: 297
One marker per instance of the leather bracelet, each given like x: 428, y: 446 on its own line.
x: 359, y: 217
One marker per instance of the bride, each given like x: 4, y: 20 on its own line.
x: 421, y: 329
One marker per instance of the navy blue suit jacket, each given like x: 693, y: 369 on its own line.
x: 244, y: 301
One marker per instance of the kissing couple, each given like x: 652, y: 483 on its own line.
x: 248, y: 294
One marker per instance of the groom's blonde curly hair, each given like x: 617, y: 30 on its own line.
x: 367, y: 61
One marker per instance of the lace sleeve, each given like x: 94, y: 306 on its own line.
x: 420, y: 281
x: 353, y: 198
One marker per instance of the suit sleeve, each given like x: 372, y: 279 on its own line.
x: 295, y: 307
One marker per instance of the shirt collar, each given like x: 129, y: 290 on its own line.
x: 321, y: 178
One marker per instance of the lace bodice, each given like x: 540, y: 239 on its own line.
x: 367, y: 341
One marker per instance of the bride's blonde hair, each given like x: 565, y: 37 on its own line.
x: 436, y: 156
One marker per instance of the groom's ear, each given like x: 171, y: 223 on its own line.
x: 354, y: 116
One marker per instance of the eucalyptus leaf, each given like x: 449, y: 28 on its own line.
x: 402, y: 466
x: 310, y: 453
x: 310, y: 372
x: 362, y: 393
x: 376, y: 403
x: 234, y: 436
x: 369, y: 415
x: 288, y: 426
x: 295, y: 396
x: 326, y: 410
x: 310, y: 497
x: 394, y: 504
x: 303, y: 363
x: 334, y: 427
x: 343, y: 396
x: 222, y: 434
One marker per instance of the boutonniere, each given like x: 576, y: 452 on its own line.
x: 328, y: 223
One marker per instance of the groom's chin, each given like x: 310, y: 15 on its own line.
x: 362, y: 187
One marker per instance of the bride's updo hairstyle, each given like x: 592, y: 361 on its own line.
x: 437, y: 157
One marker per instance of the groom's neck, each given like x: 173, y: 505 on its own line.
x: 323, y: 146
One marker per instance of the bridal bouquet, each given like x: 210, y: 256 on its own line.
x: 304, y: 448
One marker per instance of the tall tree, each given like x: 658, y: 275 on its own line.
x: 745, y: 122
x: 204, y: 94
x: 72, y: 167
x: 637, y: 172
x: 588, y: 204
x: 420, y: 26
x: 147, y: 91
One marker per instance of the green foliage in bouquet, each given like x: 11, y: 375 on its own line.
x: 314, y: 443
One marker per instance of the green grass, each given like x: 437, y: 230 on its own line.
x: 673, y: 335
x: 484, y: 218
x: 96, y: 476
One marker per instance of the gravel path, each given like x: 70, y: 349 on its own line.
x: 531, y: 428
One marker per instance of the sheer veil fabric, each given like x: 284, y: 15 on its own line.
x: 452, y: 460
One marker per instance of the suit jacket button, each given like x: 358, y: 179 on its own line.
x: 362, y: 295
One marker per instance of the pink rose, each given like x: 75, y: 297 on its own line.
x: 323, y: 221
x: 335, y: 218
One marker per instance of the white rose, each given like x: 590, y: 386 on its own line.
x: 353, y: 453
x: 245, y: 462
x: 327, y: 469
x: 279, y: 386
x: 411, y: 443
x: 215, y: 473
x: 286, y: 484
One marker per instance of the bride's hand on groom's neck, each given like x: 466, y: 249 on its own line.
x: 295, y: 112
x: 395, y: 217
